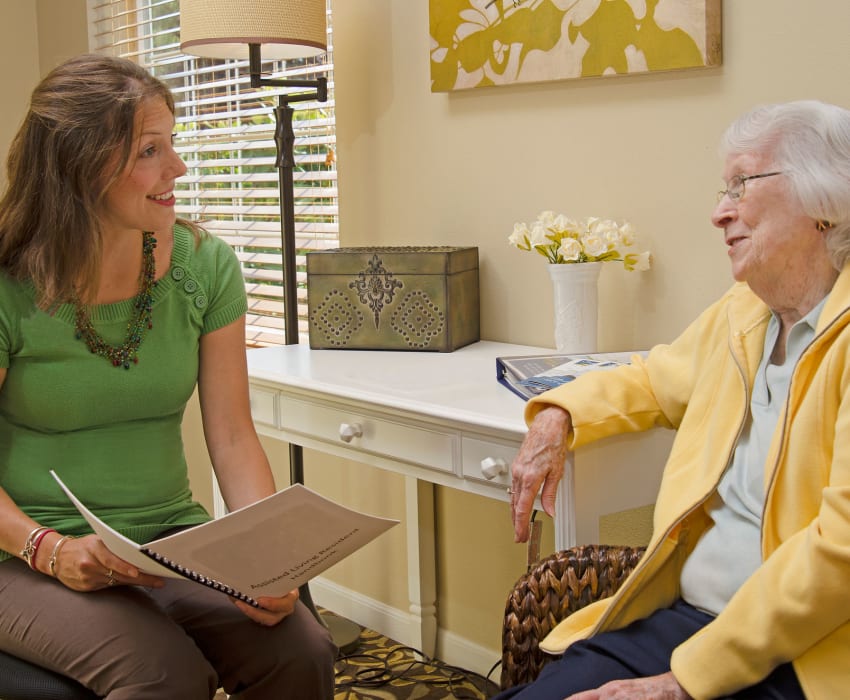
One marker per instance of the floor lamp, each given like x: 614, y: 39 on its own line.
x: 240, y: 29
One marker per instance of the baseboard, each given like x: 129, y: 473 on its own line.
x: 371, y: 613
x: 401, y: 626
x: 459, y: 651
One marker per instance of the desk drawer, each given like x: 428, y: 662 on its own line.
x: 416, y: 444
x: 483, y: 457
x: 264, y: 406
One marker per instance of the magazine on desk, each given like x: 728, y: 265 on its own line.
x: 266, y: 549
x: 530, y: 375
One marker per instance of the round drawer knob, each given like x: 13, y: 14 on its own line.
x: 349, y: 431
x: 491, y: 467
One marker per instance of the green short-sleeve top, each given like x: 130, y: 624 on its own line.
x: 113, y: 435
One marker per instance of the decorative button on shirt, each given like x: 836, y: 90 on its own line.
x: 177, y: 273
x: 190, y: 286
x: 200, y: 301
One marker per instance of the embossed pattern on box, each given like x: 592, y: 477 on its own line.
x: 393, y: 298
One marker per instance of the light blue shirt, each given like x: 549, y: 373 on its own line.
x: 730, y: 551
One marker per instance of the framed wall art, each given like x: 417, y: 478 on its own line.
x: 479, y: 43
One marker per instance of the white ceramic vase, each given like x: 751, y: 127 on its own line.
x: 576, y: 301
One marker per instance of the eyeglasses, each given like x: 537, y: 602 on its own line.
x: 735, y: 186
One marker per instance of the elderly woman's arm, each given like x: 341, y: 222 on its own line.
x: 648, y: 393
x: 539, y: 462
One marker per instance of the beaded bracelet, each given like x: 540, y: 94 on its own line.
x: 31, y: 545
x: 55, y: 553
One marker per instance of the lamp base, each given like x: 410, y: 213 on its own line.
x: 345, y: 633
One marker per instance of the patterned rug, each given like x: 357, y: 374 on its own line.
x: 383, y: 669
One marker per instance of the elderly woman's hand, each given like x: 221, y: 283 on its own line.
x: 271, y: 610
x: 663, y: 687
x: 539, y: 462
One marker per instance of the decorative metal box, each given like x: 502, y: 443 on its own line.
x: 393, y: 298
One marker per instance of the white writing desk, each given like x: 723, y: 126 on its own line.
x: 436, y: 418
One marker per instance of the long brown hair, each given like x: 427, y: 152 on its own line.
x: 61, y: 163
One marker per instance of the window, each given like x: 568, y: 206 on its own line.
x: 225, y: 134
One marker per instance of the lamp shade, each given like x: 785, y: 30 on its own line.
x: 224, y: 28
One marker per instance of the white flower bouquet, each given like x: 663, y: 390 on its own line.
x: 562, y: 240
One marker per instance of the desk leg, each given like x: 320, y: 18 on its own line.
x: 565, y: 511
x: 421, y: 562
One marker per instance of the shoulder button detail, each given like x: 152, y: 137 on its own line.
x: 200, y: 301
x: 177, y: 273
x: 190, y: 286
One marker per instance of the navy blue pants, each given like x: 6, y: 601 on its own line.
x: 642, y: 649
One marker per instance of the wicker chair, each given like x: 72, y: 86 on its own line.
x: 556, y: 586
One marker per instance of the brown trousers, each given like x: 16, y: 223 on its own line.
x: 181, y: 642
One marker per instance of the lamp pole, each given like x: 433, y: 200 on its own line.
x: 285, y: 161
x: 346, y: 634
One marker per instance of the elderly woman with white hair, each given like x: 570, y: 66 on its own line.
x: 742, y: 590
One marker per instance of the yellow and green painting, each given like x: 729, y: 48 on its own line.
x: 478, y: 43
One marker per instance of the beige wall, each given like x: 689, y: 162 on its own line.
x: 62, y: 31
x: 18, y: 50
x: 35, y: 35
x: 460, y: 168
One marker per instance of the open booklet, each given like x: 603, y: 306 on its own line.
x: 530, y: 375
x: 266, y: 549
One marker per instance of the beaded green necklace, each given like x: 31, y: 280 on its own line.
x: 140, y: 321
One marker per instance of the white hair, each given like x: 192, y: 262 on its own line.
x: 810, y: 143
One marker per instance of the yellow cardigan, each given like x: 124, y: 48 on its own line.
x: 795, y: 607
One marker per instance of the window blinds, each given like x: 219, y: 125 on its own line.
x: 225, y: 134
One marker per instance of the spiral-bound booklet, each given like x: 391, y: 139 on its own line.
x: 266, y: 549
